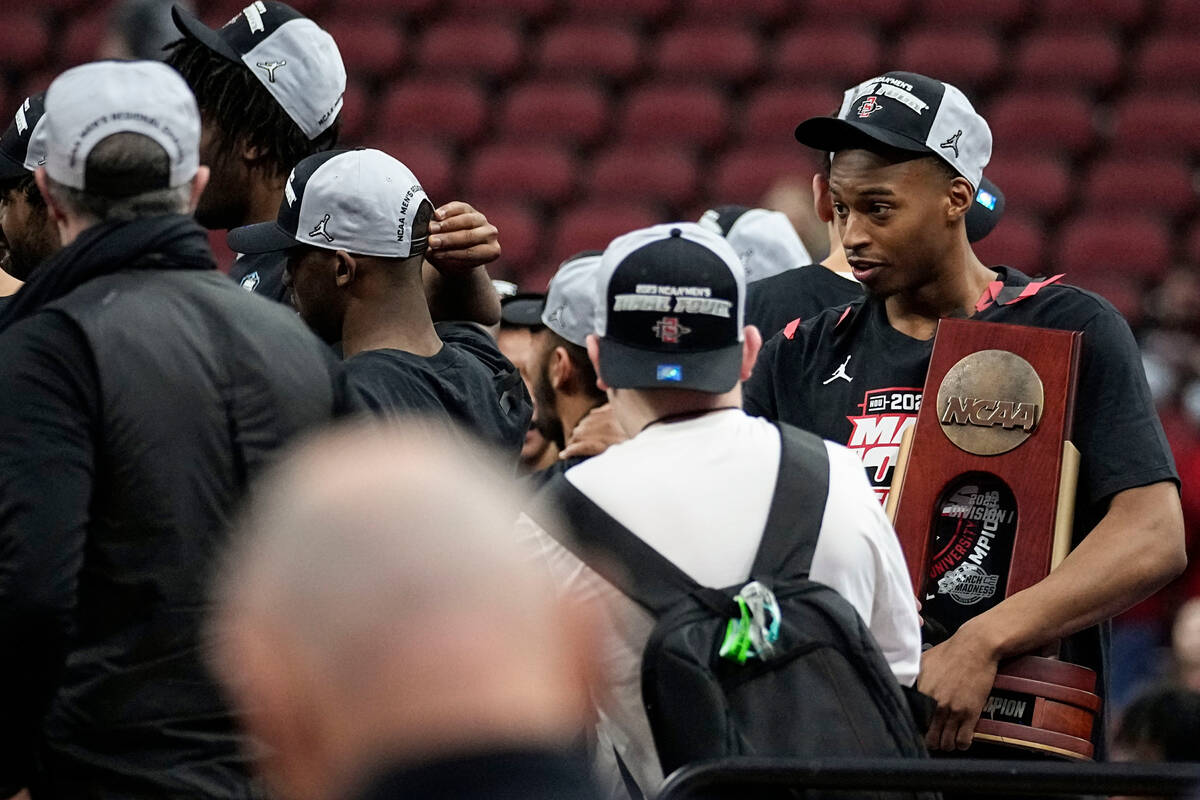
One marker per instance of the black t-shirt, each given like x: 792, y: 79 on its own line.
x: 469, y: 381
x: 851, y: 377
x: 802, y: 293
x: 261, y: 274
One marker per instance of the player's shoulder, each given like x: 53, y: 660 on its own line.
x: 1052, y: 301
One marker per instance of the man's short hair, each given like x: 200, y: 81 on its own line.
x: 581, y: 362
x: 25, y: 185
x: 128, y: 177
x: 230, y: 97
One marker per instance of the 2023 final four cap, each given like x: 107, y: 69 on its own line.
x: 672, y: 308
x: 291, y: 56
x: 87, y: 104
x: 23, y: 143
x: 361, y: 201
x: 570, y: 308
x: 908, y: 112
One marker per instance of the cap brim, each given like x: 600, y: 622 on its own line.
x: 193, y: 28
x: 981, y: 219
x: 625, y: 367
x: 832, y: 134
x: 10, y: 170
x: 524, y: 310
x: 262, y: 237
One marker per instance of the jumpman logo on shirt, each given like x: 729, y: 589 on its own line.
x: 840, y: 372
x: 320, y: 229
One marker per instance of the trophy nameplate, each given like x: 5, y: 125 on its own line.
x: 983, y: 503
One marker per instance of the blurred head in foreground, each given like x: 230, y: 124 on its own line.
x: 377, y: 611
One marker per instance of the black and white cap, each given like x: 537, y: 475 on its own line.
x: 87, y: 104
x: 23, y: 143
x: 570, y: 309
x: 765, y: 241
x: 293, y: 58
x: 362, y: 201
x: 909, y: 112
x: 672, y: 306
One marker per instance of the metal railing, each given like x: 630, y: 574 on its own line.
x: 950, y: 775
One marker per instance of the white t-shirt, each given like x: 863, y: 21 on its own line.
x: 699, y: 491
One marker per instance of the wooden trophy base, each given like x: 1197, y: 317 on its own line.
x: 1042, y: 705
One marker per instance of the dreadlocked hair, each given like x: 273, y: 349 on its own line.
x: 242, y: 110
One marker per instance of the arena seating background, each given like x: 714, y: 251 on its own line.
x: 571, y: 121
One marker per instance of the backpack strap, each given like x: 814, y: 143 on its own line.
x: 797, y: 507
x: 619, y: 556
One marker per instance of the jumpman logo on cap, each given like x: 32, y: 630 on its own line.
x: 270, y: 67
x: 319, y: 230
x: 952, y: 143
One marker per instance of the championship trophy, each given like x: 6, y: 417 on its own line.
x: 983, y: 501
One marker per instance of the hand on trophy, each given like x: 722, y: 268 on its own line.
x: 958, y: 674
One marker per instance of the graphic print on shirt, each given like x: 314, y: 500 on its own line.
x: 875, y: 433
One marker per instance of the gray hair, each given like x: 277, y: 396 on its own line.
x: 127, y: 176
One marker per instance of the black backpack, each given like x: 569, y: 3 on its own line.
x: 824, y: 691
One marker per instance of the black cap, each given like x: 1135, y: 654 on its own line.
x: 522, y: 310
x: 986, y: 211
x: 14, y: 143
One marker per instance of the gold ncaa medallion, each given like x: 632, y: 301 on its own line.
x: 990, y: 402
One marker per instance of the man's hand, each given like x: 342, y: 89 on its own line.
x: 958, y: 674
x: 21, y: 795
x: 594, y: 434
x: 461, y: 239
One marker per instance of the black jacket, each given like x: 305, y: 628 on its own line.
x: 139, y: 396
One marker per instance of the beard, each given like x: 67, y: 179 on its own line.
x: 545, y: 419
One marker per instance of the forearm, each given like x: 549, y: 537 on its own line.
x: 469, y: 297
x: 1135, y: 549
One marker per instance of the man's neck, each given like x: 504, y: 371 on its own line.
x: 397, y: 320
x: 265, y: 195
x: 572, y: 408
x: 836, y: 260
x: 637, y: 408
x: 953, y: 291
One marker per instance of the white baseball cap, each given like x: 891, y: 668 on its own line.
x: 909, y: 112
x: 361, y: 201
x: 764, y: 240
x: 87, y: 104
x: 570, y: 308
x: 297, y: 62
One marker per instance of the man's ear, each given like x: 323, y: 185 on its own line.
x: 56, y: 212
x: 750, y: 348
x: 960, y: 196
x: 822, y: 201
x: 198, y: 183
x: 345, y: 268
x: 593, y: 348
x: 561, y: 368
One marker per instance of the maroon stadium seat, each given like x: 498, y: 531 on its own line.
x: 368, y: 46
x: 1072, y: 13
x: 1157, y: 123
x: 520, y: 172
x: 430, y: 162
x: 1085, y: 59
x: 355, y: 123
x: 967, y: 58
x: 1132, y: 183
x: 522, y: 9
x: 1192, y: 245
x: 1126, y: 243
x: 487, y: 48
x: 1042, y: 122
x: 759, y: 12
x: 1032, y: 184
x: 686, y: 115
x: 82, y: 42
x: 521, y: 234
x: 884, y: 13
x: 992, y: 13
x: 744, y: 175
x: 647, y: 10
x: 717, y: 52
x: 446, y: 110
x: 591, y: 50
x: 376, y: 9
x: 839, y: 55
x: 1017, y: 241
x: 555, y: 111
x: 773, y: 112
x: 591, y: 226
x: 637, y: 173
x: 1174, y: 14
x: 1169, y: 60
x: 24, y: 40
